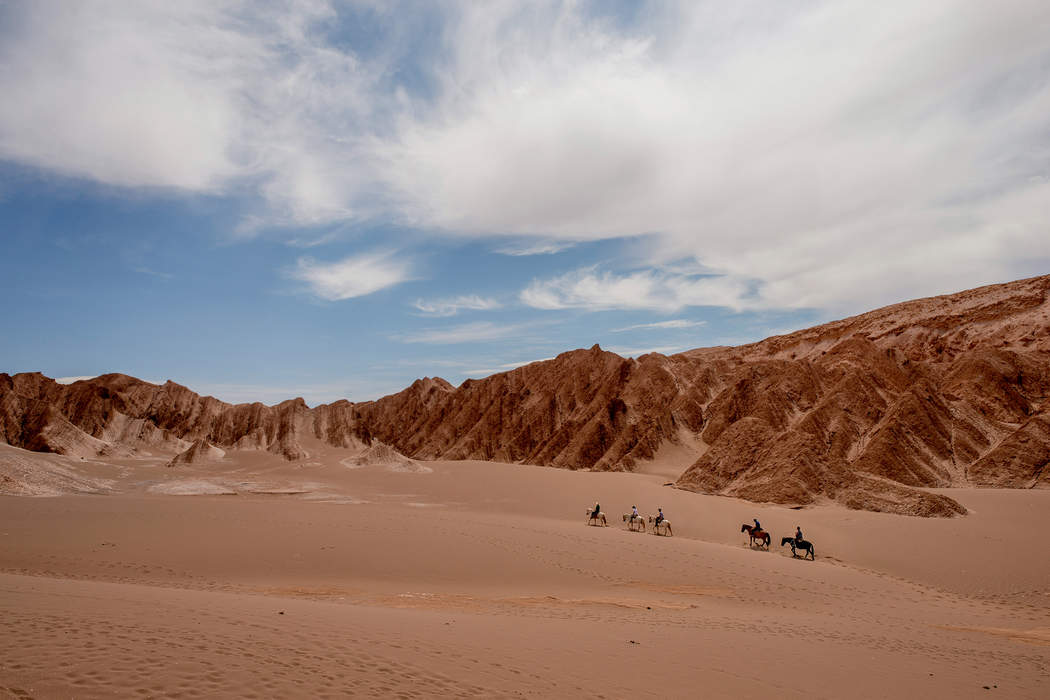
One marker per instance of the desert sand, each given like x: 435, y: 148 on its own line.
x: 373, y: 575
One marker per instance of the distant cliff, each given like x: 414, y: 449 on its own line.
x: 938, y: 392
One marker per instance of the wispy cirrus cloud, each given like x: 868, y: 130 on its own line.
x: 526, y: 247
x: 314, y: 393
x: 661, y: 325
x: 353, y: 276
x: 502, y: 368
x: 481, y: 331
x: 589, y: 288
x: 154, y: 273
x: 71, y: 380
x: 452, y: 306
x: 638, y: 352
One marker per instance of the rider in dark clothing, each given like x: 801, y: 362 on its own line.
x: 659, y: 515
x: 758, y: 525
x: 597, y: 510
x: 798, y: 534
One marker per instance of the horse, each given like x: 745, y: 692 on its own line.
x: 805, y: 545
x: 756, y: 535
x: 665, y: 524
x: 596, y: 520
x: 634, y: 522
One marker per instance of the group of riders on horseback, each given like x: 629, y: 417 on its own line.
x: 660, y: 522
x: 634, y: 514
x: 633, y: 519
x: 763, y: 539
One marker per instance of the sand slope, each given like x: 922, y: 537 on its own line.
x: 481, y: 580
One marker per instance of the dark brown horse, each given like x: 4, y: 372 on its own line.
x: 760, y: 536
x: 805, y: 545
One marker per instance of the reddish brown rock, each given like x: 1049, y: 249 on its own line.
x: 866, y: 411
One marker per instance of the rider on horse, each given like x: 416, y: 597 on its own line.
x: 597, y: 510
x: 758, y: 527
x: 634, y: 512
x: 798, y: 534
x: 659, y: 515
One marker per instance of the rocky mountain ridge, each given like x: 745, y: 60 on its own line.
x: 866, y: 411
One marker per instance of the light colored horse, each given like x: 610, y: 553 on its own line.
x: 633, y: 524
x: 597, y: 521
x: 664, y: 525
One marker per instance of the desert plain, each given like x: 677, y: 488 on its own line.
x: 344, y: 575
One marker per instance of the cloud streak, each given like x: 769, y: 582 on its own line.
x: 661, y: 325
x: 523, y: 248
x: 71, y: 380
x: 450, y: 307
x: 653, y: 290
x: 638, y: 352
x: 502, y: 368
x: 479, y: 332
x: 351, y: 277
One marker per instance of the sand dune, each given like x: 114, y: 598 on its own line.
x: 180, y: 546
x: 481, y: 579
x: 24, y: 473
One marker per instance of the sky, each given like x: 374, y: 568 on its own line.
x: 330, y: 199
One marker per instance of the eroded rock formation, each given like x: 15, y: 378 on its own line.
x: 867, y: 411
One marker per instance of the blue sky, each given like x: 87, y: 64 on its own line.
x: 330, y: 200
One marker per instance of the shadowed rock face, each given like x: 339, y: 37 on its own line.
x: 938, y: 392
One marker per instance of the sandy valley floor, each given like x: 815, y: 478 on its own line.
x: 471, y: 579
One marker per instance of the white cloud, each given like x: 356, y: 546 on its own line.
x: 311, y: 241
x: 358, y: 389
x: 154, y: 273
x: 502, y: 368
x: 588, y: 288
x: 197, y: 96
x: 522, y: 248
x: 350, y: 277
x: 662, y: 325
x: 829, y: 154
x: 450, y: 307
x: 638, y: 352
x: 832, y: 155
x: 70, y: 380
x: 481, y: 331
